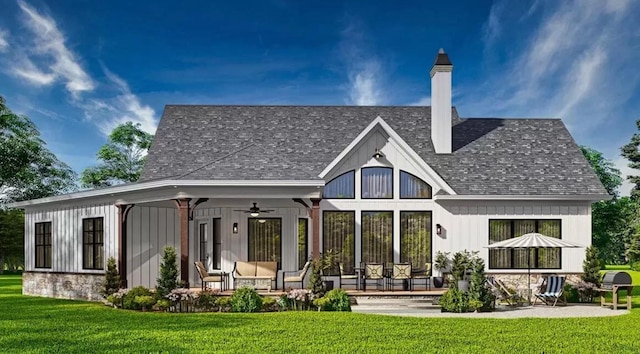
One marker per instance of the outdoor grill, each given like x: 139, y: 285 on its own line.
x: 612, y: 279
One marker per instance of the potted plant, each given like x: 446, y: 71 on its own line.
x: 441, y: 263
x: 461, y: 266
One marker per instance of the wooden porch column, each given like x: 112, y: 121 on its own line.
x: 183, y: 212
x: 123, y: 212
x: 315, y: 235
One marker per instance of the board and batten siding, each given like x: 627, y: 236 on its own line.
x: 66, y: 235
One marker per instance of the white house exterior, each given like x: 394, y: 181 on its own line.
x: 383, y: 184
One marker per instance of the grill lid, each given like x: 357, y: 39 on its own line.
x: 615, y: 278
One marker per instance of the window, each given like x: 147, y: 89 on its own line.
x: 217, y: 244
x: 265, y: 243
x: 341, y: 187
x: 303, y: 227
x: 338, y: 236
x: 415, y: 238
x: 377, y: 183
x: 203, y: 242
x: 93, y: 243
x: 377, y: 236
x: 43, y: 245
x: 412, y: 187
x: 541, y: 258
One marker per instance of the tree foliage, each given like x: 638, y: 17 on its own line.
x: 11, y: 239
x: 28, y: 170
x: 612, y: 220
x: 631, y: 151
x: 121, y: 158
x: 591, y: 266
x: 168, y: 279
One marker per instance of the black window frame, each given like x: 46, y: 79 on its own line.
x: 301, y: 262
x: 353, y: 213
x: 249, y: 220
x: 203, y: 242
x: 419, y: 179
x: 362, y: 180
x: 430, y: 254
x: 44, y: 246
x: 362, y: 212
x: 353, y: 192
x: 534, y: 259
x: 216, y: 240
x: 93, y: 244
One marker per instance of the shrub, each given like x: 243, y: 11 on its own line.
x: 480, y: 296
x: 334, y: 300
x: 145, y: 302
x: 454, y: 300
x: 300, y: 299
x: 584, y: 291
x: 269, y: 304
x: 223, y: 303
x: 117, y: 297
x: 111, y: 279
x: 129, y: 299
x: 163, y: 304
x: 207, y: 299
x: 245, y: 299
x: 315, y: 278
x: 168, y: 279
x: 591, y: 266
x: 182, y: 299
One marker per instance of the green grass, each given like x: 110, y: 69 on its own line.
x: 33, y: 324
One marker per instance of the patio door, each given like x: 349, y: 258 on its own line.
x: 265, y: 241
x: 216, y: 240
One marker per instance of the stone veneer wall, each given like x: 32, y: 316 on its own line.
x: 519, y: 280
x: 75, y: 286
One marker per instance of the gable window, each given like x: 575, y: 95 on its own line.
x: 265, y: 241
x: 93, y: 243
x: 338, y: 237
x: 43, y: 245
x: 303, y: 227
x: 412, y: 187
x: 541, y: 258
x: 341, y: 187
x: 415, y: 238
x: 377, y: 183
x: 377, y: 236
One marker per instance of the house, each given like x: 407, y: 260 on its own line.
x: 383, y: 184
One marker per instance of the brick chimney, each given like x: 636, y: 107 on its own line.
x: 441, y: 103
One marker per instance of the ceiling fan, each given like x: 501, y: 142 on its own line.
x: 255, y: 210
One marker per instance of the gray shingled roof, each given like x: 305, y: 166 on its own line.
x: 490, y: 156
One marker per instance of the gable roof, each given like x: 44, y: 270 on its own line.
x: 489, y: 156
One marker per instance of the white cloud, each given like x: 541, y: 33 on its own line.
x: 364, y: 84
x: 49, y: 47
x: 493, y: 27
x: 423, y: 101
x: 569, y: 66
x: 3, y: 40
x: 27, y: 70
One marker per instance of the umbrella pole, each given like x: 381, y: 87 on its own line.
x: 529, y: 275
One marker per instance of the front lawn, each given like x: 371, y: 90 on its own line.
x: 32, y: 324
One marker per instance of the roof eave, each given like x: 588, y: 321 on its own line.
x: 576, y: 197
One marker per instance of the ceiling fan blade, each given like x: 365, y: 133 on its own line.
x: 244, y: 211
x: 267, y: 210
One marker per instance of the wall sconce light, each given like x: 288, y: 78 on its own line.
x: 438, y: 229
x: 235, y: 227
x: 378, y: 155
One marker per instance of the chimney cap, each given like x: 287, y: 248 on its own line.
x: 442, y: 58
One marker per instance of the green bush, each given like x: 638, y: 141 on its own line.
x: 269, y: 304
x: 163, y: 304
x: 315, y: 278
x: 334, y: 300
x: 454, y: 300
x: 245, y: 299
x: 145, y: 301
x: 480, y: 296
x: 168, y: 279
x: 207, y: 300
x: 111, y: 279
x: 129, y: 300
x: 223, y: 303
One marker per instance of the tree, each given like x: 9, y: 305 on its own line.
x: 122, y: 157
x: 111, y: 278
x: 632, y: 153
x: 612, y: 220
x: 168, y: 279
x: 28, y: 170
x: 591, y: 266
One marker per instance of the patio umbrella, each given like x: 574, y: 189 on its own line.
x: 533, y: 240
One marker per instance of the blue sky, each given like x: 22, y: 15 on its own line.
x: 78, y: 68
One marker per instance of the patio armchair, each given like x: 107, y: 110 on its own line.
x: 373, y: 271
x: 502, y: 292
x: 554, y: 291
x: 205, y: 277
x: 401, y: 271
x: 345, y: 276
x: 419, y: 274
x: 297, y: 278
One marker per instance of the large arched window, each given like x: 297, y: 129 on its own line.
x: 377, y: 183
x: 341, y: 187
x: 412, y: 187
